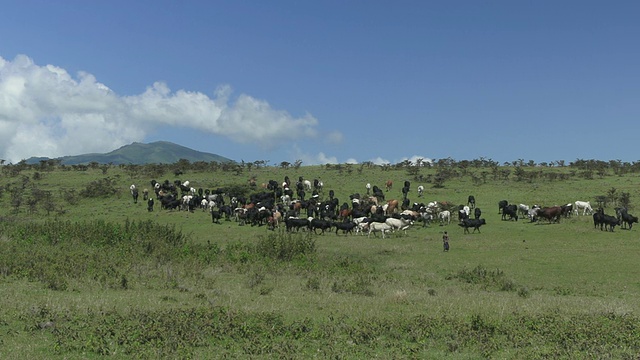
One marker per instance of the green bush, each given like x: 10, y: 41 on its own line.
x: 286, y: 246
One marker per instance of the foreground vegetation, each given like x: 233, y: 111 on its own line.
x: 85, y: 273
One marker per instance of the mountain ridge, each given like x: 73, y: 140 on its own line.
x: 136, y: 153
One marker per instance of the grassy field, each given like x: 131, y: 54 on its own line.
x: 90, y: 277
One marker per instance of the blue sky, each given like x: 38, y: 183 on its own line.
x: 323, y: 81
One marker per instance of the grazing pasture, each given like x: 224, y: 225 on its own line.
x: 87, y: 272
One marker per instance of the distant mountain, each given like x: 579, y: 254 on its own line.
x: 159, y: 152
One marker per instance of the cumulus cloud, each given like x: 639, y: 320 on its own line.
x: 380, y: 161
x: 416, y: 158
x: 44, y: 111
x: 324, y: 159
x: 311, y: 159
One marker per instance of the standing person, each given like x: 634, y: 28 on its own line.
x: 445, y: 241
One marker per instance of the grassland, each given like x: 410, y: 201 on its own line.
x: 98, y: 276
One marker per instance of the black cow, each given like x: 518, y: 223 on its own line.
x: 610, y: 221
x: 301, y: 194
x: 134, y: 193
x: 567, y: 210
x: 501, y: 205
x: 227, y: 210
x: 296, y: 223
x: 472, y: 223
x: 405, y: 192
x: 346, y: 227
x: 477, y: 212
x: 315, y: 224
x: 215, y: 216
x: 598, y: 218
x: 628, y: 219
x: 510, y: 211
x: 406, y: 204
x: 377, y: 192
x: 471, y: 201
x: 150, y: 204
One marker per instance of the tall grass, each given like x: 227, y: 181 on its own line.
x: 101, y: 276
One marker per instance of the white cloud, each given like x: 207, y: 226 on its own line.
x: 351, y: 161
x: 323, y: 159
x: 414, y: 159
x: 44, y: 111
x: 380, y: 161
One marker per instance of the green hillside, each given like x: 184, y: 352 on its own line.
x: 159, y: 152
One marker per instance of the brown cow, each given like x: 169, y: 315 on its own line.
x: 392, y: 207
x: 296, y: 207
x: 552, y: 214
x: 274, y: 220
x: 389, y: 184
x: 345, y: 214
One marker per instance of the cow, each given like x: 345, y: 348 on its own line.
x: 377, y: 193
x: 227, y: 210
x: 399, y: 224
x: 346, y: 227
x: 274, y: 220
x: 420, y: 190
x: 405, y: 192
x: 426, y: 218
x: 296, y: 223
x: 307, y: 185
x: 471, y: 201
x: 375, y: 227
x: 610, y: 221
x: 567, y: 209
x: 462, y: 215
x: 501, y: 205
x: 445, y: 217
x: 628, y: 219
x: 389, y: 184
x: 406, y: 204
x: 523, y: 209
x: 315, y: 224
x: 150, y: 205
x: 532, y: 213
x: 585, y: 206
x: 391, y: 207
x: 510, y: 211
x: 598, y: 218
x: 472, y: 223
x: 551, y: 214
x: 368, y: 187
x: 215, y: 216
x: 134, y: 193
x: 477, y: 212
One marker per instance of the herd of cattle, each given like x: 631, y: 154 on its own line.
x: 555, y: 213
x: 278, y: 204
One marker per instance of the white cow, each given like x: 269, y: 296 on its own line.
x: 368, y: 186
x: 523, y: 209
x: 307, y: 185
x: 585, y: 206
x: 420, y: 190
x: 399, y: 224
x: 445, y: 217
x: 379, y: 227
